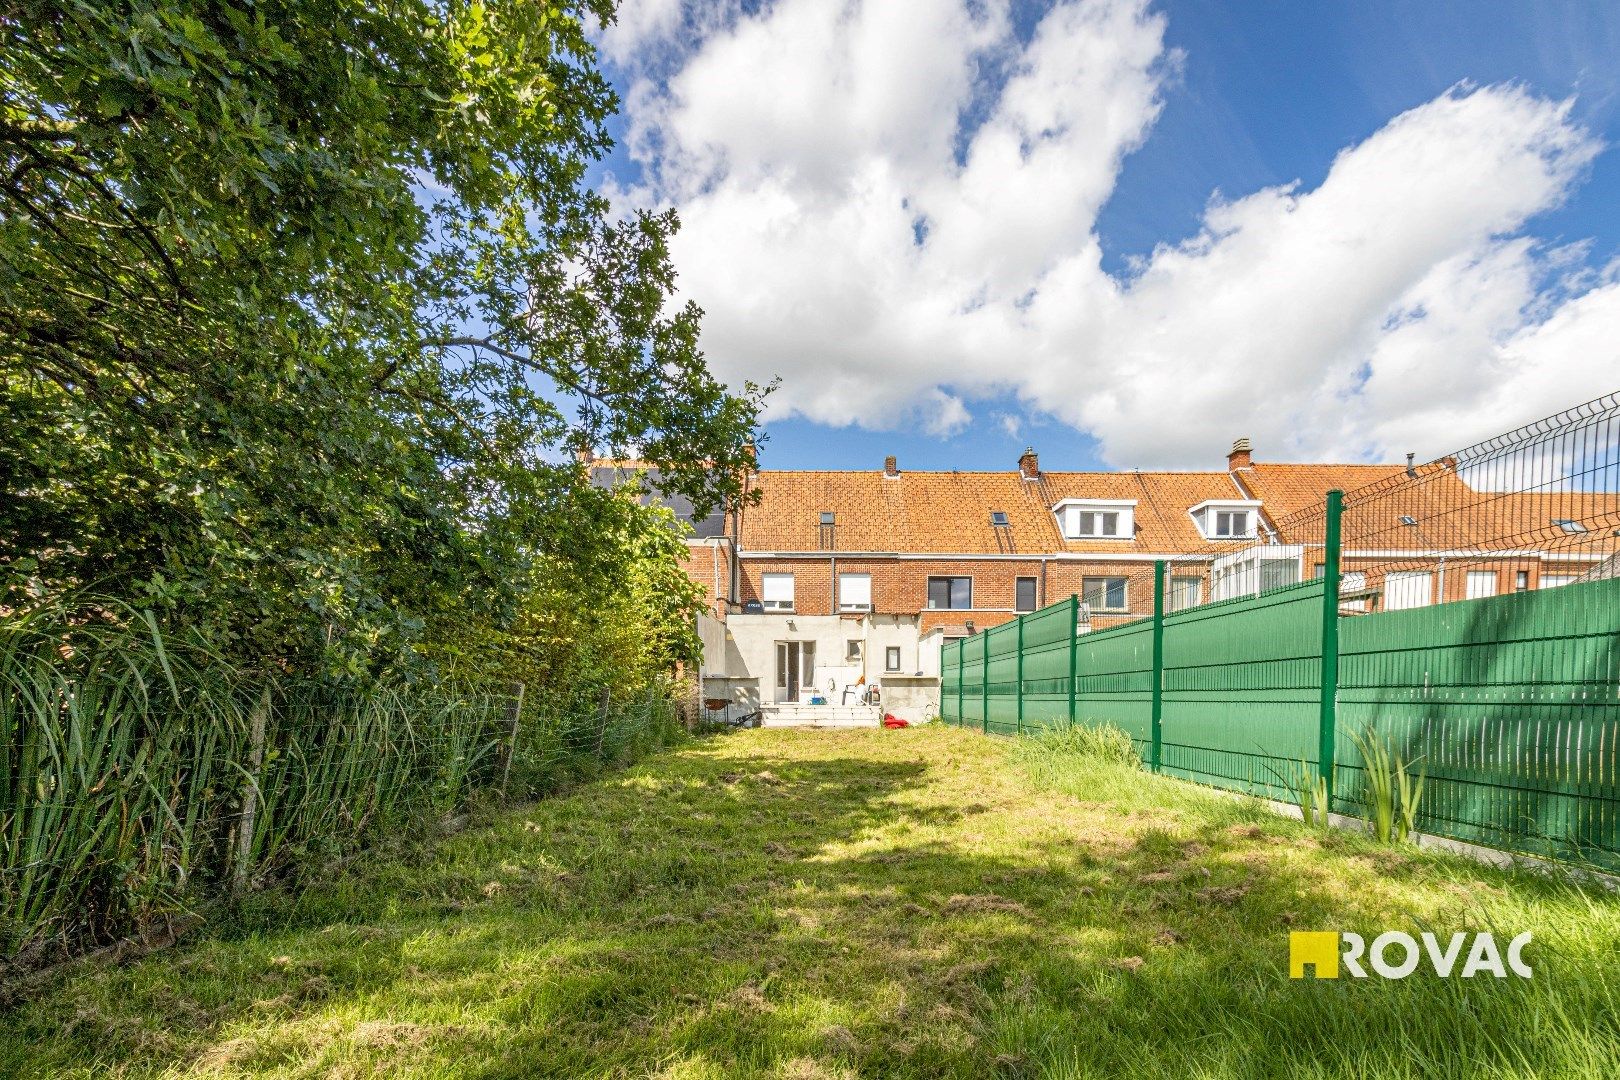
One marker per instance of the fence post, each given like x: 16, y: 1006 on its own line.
x: 250, y: 792
x: 984, y: 684
x: 1020, y: 720
x: 514, y: 710
x: 1074, y: 650
x: 961, y: 691
x: 1158, y: 664
x: 1330, y: 642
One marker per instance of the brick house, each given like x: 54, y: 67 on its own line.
x: 841, y: 579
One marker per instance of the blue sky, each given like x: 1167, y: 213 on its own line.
x: 1214, y: 103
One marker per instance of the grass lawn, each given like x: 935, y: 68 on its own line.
x: 822, y: 904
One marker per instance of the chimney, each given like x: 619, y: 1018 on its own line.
x: 751, y: 453
x: 584, y: 453
x: 1028, y: 464
x: 891, y: 467
x: 1239, y: 457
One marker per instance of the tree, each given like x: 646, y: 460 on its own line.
x: 305, y: 303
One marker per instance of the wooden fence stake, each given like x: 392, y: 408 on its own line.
x: 514, y: 712
x: 257, y: 719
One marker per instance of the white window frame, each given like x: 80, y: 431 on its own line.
x: 891, y: 651
x: 1206, y: 515
x: 1554, y: 581
x: 845, y: 604
x: 1083, y: 519
x: 1477, y: 578
x: 854, y: 650
x: 1398, y: 598
x: 776, y: 603
x: 1102, y: 604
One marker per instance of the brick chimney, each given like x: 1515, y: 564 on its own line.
x: 1239, y: 457
x: 891, y: 466
x: 1028, y: 464
x: 751, y: 453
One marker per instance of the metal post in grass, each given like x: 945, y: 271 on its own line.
x: 1020, y: 720
x: 961, y: 679
x: 984, y: 684
x: 1330, y: 642
x: 1158, y: 663
x: 1074, y: 650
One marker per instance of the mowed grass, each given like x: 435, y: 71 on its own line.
x: 820, y: 904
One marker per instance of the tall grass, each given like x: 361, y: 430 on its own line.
x: 126, y: 760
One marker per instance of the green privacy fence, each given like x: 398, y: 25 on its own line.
x: 1510, y: 704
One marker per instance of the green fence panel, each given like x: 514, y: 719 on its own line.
x: 1114, y: 680
x: 1242, y: 689
x: 950, y: 681
x: 1002, y: 642
x: 972, y: 668
x: 1510, y: 705
x: 1046, y: 666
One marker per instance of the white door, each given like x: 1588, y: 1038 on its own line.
x: 795, y: 669
x: 1407, y: 589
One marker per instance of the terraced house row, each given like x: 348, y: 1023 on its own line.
x: 837, y: 582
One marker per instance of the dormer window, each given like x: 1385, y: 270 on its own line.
x: 1229, y: 523
x: 1097, y: 519
x: 1229, y: 519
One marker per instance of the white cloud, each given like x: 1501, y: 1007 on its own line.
x: 893, y: 205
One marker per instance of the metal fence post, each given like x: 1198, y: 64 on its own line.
x: 1074, y: 650
x: 1158, y: 664
x: 1330, y: 642
x: 1020, y: 720
x: 961, y: 664
x: 984, y: 684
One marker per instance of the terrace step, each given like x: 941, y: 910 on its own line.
x: 841, y: 716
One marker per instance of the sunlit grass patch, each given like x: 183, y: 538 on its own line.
x: 917, y: 903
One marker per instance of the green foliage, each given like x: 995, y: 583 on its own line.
x: 303, y: 306
x: 1308, y: 789
x: 1392, y: 793
x: 1103, y: 742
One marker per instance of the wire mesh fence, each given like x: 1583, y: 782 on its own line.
x: 140, y: 782
x: 1464, y: 613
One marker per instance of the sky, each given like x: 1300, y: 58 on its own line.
x: 1126, y: 233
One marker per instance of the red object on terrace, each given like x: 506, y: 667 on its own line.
x: 892, y: 721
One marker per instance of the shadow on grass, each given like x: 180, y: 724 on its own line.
x: 910, y: 909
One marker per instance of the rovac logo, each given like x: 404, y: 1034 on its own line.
x: 1395, y: 955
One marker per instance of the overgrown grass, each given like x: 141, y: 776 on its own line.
x: 814, y: 904
x: 127, y: 759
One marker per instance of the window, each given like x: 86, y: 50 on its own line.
x: 1185, y: 592
x: 1521, y: 580
x: 852, y: 649
x: 776, y: 590
x: 1407, y: 589
x: 1552, y: 581
x: 1225, y: 519
x: 1317, y: 570
x: 854, y: 592
x: 1481, y: 583
x: 950, y: 593
x: 1103, y: 593
x: 1094, y: 519
x: 998, y: 518
x: 1024, y: 594
x: 891, y: 658
x: 1098, y: 523
x: 827, y: 517
x: 1569, y: 526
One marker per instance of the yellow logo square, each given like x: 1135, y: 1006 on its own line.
x: 1318, y: 948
